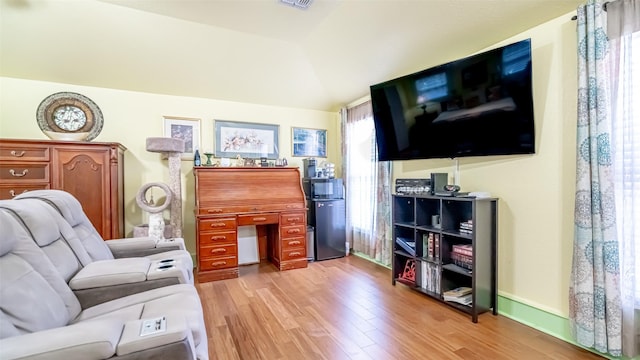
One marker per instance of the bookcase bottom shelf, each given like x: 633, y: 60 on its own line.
x: 468, y: 309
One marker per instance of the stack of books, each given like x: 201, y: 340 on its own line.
x: 407, y: 245
x: 466, y: 227
x: 462, y: 255
x: 461, y: 295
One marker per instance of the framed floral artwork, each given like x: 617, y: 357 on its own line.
x: 309, y: 142
x: 187, y: 129
x: 249, y: 140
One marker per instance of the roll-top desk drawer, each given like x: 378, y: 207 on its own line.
x: 217, y: 237
x: 217, y: 224
x: 218, y: 263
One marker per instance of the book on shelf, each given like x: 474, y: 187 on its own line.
x: 407, y: 245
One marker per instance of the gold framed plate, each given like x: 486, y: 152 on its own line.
x: 69, y: 116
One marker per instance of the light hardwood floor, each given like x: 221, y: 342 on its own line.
x: 347, y: 309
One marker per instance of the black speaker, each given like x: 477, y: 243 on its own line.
x: 438, y: 182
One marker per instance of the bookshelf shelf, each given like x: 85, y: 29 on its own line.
x: 454, y: 244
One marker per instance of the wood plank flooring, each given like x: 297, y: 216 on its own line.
x: 347, y: 309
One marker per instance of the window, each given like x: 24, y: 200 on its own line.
x: 626, y: 143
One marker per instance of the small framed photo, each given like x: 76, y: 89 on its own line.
x: 309, y: 142
x: 187, y: 129
x: 249, y: 140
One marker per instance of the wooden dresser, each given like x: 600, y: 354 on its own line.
x: 93, y: 172
x: 270, y: 198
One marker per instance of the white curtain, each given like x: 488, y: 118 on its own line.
x: 623, y: 31
x: 368, y: 193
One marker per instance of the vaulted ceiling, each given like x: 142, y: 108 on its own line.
x: 254, y: 51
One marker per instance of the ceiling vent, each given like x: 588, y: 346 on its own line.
x: 300, y: 4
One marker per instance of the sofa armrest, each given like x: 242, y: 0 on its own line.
x: 110, y: 272
x: 97, y: 339
x: 143, y: 246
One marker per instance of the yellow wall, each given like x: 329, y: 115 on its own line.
x: 131, y: 117
x: 536, y: 192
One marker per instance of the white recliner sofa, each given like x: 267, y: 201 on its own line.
x: 93, y: 281
x: 41, y: 318
x: 100, y: 249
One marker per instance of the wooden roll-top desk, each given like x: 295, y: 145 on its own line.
x: 228, y: 197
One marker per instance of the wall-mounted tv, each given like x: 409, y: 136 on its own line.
x: 477, y: 106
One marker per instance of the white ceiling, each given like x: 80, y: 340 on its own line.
x: 253, y: 51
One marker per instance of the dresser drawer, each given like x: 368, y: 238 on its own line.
x: 218, y: 263
x: 23, y: 152
x: 292, y: 243
x: 257, y: 219
x: 217, y: 251
x: 287, y: 232
x: 293, y: 254
x: 294, y: 218
x: 24, y: 172
x: 226, y: 223
x: 11, y: 190
x: 217, y: 237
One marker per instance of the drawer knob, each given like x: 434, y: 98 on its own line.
x: 13, y: 173
x: 295, y: 219
x: 218, y: 263
x: 17, y: 154
x: 218, y: 250
x: 218, y: 237
x: 218, y: 225
x: 295, y: 253
x: 13, y: 192
x: 293, y: 231
x: 214, y: 211
x: 295, y: 242
x: 259, y: 218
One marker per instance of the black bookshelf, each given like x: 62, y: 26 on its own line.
x: 454, y: 245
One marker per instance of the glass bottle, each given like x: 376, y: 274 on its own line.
x: 196, y: 158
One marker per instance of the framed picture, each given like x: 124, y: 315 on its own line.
x: 249, y: 140
x: 309, y: 142
x: 187, y: 129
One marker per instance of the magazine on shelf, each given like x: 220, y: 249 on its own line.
x: 464, y: 300
x: 457, y: 293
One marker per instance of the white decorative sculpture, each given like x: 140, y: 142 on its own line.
x: 156, y: 219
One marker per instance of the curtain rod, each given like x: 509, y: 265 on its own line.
x: 604, y: 7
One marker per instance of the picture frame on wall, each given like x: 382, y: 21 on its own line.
x: 309, y: 142
x: 187, y: 129
x: 249, y: 140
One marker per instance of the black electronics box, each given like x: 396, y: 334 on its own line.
x: 438, y: 182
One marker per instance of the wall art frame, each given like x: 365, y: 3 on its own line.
x: 187, y: 129
x: 249, y: 140
x: 309, y: 142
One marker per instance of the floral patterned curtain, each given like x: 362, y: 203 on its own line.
x: 367, y: 182
x: 595, y: 304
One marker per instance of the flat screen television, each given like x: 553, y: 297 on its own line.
x: 480, y: 105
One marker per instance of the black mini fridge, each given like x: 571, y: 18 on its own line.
x: 328, y: 217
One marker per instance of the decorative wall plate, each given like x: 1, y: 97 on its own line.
x: 69, y: 116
